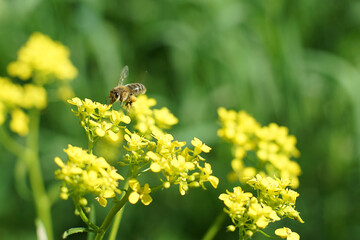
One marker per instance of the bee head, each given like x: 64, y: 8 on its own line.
x: 114, y: 96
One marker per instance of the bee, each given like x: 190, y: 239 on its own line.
x: 125, y: 94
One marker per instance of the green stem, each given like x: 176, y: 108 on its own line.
x: 118, y: 217
x: 114, y: 210
x: 31, y: 157
x: 85, y: 218
x: 116, y: 224
x: 91, y: 145
x: 11, y: 145
x: 214, y: 228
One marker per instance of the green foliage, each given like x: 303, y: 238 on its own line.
x: 295, y: 63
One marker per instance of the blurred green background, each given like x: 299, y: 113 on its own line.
x: 296, y: 63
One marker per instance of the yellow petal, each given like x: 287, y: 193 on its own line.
x: 146, y: 199
x: 134, y: 197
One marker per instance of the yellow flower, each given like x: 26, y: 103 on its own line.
x: 206, y: 176
x: 147, y: 119
x: 43, y: 55
x: 287, y: 233
x: 135, y: 142
x: 164, y: 118
x: 117, y: 117
x: 199, y: 146
x: 19, y: 122
x: 10, y: 94
x: 236, y: 200
x: 139, y: 192
x: 20, y: 69
x: 34, y: 96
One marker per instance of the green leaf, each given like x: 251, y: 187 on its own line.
x: 74, y: 231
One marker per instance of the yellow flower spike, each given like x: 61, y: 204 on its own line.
x: 43, y: 55
x: 200, y: 146
x: 19, y: 122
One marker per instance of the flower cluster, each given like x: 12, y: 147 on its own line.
x: 250, y: 214
x: 175, y: 164
x: 274, y: 193
x: 85, y: 173
x: 41, y: 55
x: 14, y: 98
x: 246, y: 212
x: 272, y: 147
x: 42, y: 59
x: 98, y: 120
x: 27, y: 96
x: 147, y: 119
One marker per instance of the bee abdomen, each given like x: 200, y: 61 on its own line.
x: 136, y: 88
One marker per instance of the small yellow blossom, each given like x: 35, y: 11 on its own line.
x: 135, y: 142
x: 11, y: 94
x: 34, y: 96
x: 287, y: 233
x: 147, y: 119
x: 164, y: 118
x: 199, y: 146
x: 19, y: 122
x: 19, y: 69
x: 142, y: 193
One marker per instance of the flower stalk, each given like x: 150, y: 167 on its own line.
x: 31, y: 157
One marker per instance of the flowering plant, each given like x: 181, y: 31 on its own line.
x: 148, y: 149
x: 40, y: 62
x: 261, y: 155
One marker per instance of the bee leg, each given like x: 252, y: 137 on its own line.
x: 128, y: 105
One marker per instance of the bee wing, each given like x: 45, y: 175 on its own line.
x: 123, y: 75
